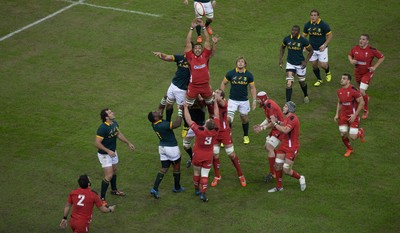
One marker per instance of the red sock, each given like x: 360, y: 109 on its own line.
x: 346, y: 142
x: 295, y: 174
x: 196, y: 181
x: 271, y: 162
x: 236, y: 163
x: 366, y: 99
x: 203, y: 184
x: 216, y: 164
x: 278, y: 179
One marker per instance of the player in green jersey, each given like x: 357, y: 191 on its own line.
x: 240, y: 79
x: 168, y: 150
x: 106, y: 143
x: 320, y: 36
x: 296, y: 63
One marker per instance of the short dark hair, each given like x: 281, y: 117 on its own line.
x: 297, y: 27
x: 84, y: 181
x: 104, y: 114
x: 347, y: 75
x: 314, y: 10
x: 366, y: 35
x: 197, y: 43
x: 150, y: 116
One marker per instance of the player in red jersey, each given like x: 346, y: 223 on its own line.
x: 290, y: 145
x: 225, y: 137
x: 361, y: 56
x: 82, y: 201
x: 271, y: 108
x: 198, y: 60
x: 350, y: 103
x: 203, y: 150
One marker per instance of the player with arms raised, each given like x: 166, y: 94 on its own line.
x: 199, y: 67
x: 203, y: 150
x: 225, y: 137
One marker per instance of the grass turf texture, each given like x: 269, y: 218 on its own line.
x: 56, y: 76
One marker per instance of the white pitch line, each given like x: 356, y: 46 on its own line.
x: 74, y: 3
x: 39, y: 21
x: 115, y: 9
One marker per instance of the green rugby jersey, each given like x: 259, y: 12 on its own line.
x: 182, y: 74
x: 317, y: 32
x: 108, y: 132
x: 295, y: 47
x: 164, y: 132
x: 239, y: 83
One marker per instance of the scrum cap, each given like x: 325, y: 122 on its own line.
x: 262, y: 96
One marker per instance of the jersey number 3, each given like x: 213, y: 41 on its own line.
x: 208, y: 141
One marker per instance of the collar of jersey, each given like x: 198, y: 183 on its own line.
x: 157, y: 122
x: 318, y: 21
x: 298, y: 37
x: 237, y: 70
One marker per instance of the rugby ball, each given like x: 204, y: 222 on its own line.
x: 199, y: 9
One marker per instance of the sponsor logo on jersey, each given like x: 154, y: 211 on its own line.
x: 199, y: 66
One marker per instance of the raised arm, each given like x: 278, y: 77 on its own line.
x: 163, y: 56
x: 178, y: 121
x: 188, y: 118
x: 188, y: 46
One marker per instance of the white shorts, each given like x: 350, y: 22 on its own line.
x: 207, y: 8
x: 176, y: 94
x: 345, y: 129
x: 320, y: 56
x: 242, y: 106
x: 106, y: 160
x: 170, y: 153
x: 190, y: 133
x: 299, y: 70
x: 272, y: 141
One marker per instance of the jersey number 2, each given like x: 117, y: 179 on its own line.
x: 81, y: 198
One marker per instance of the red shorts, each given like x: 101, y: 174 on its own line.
x: 343, y: 120
x: 79, y: 226
x: 203, y: 89
x: 289, y: 153
x: 364, y: 78
x: 202, y: 159
x: 224, y: 137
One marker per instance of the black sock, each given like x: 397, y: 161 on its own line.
x: 114, y: 182
x: 245, y: 129
x: 288, y: 94
x: 317, y: 74
x: 158, y: 180
x: 198, y: 30
x: 230, y: 125
x: 177, y: 180
x: 104, y: 187
x: 327, y: 70
x: 304, y: 89
x: 190, y: 152
x: 169, y: 114
x: 208, y: 23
